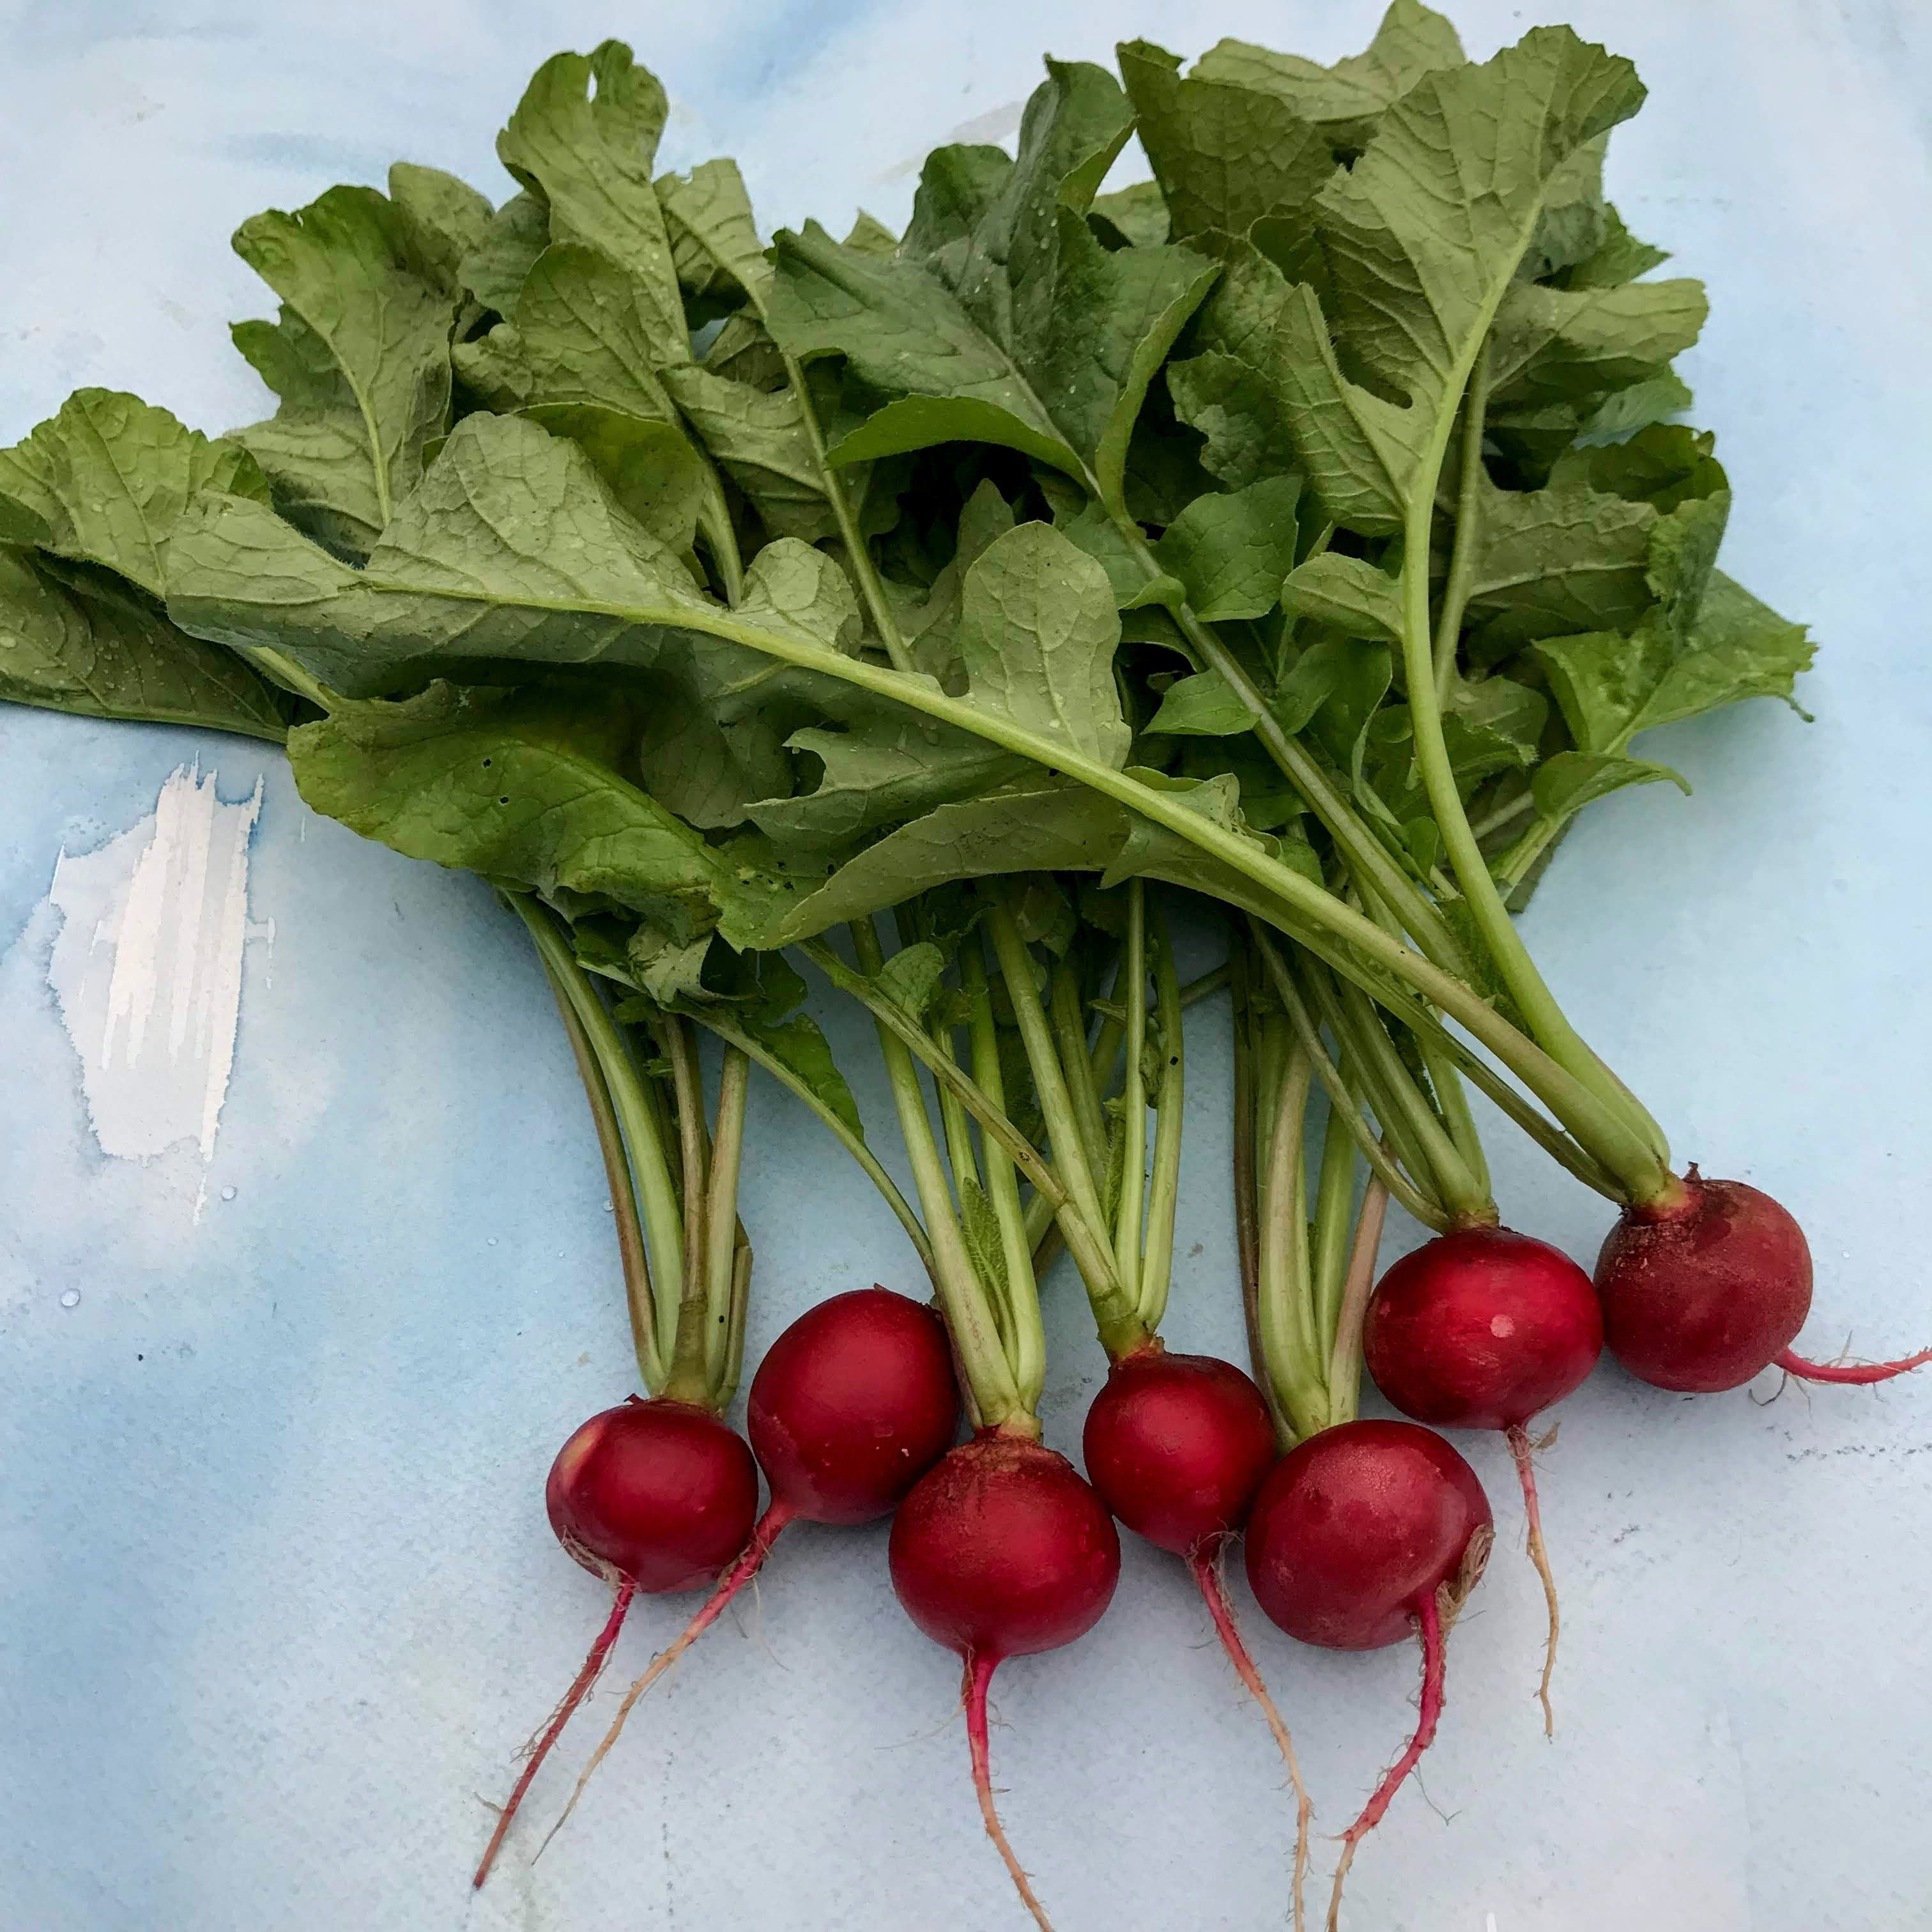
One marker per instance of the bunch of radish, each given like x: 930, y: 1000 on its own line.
x: 1293, y: 542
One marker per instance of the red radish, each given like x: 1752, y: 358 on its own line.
x: 852, y: 1404
x: 1707, y: 1287
x: 1177, y: 1446
x: 653, y: 1497
x: 1362, y: 1531
x: 1481, y: 1328
x: 1003, y: 1550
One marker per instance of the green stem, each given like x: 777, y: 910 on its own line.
x: 1548, y: 1025
x: 1367, y: 857
x: 1290, y: 1349
x: 689, y: 1379
x: 1131, y: 995
x: 617, y: 1162
x: 993, y: 1386
x: 1468, y: 517
x: 1027, y: 1336
x: 1076, y: 1057
x: 657, y: 1195
x: 853, y: 1144
x: 1164, y: 1184
x: 722, y: 1233
x: 1306, y: 911
x: 1345, y: 1366
x: 1334, y: 1197
x: 280, y: 668
x: 884, y: 620
x: 1249, y: 1099
x: 1113, y: 1304
x: 1347, y: 1097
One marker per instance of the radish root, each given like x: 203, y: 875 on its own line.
x: 1525, y: 1470
x: 750, y: 1560
x: 1213, y: 1587
x: 979, y: 1676
x: 580, y: 1689
x: 1857, y: 1374
x: 1429, y: 1621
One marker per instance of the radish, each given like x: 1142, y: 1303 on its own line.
x: 1361, y: 1532
x: 1481, y: 1328
x: 1707, y: 1287
x: 1364, y: 1530
x: 852, y: 1404
x: 659, y: 1496
x: 1177, y: 1444
x: 1003, y: 1551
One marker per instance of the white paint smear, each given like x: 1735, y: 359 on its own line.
x: 148, y: 966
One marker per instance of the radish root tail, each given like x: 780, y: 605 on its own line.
x: 750, y: 1560
x: 979, y: 1676
x: 1518, y: 1440
x: 1429, y: 1619
x: 580, y: 1689
x: 1213, y: 1585
x: 1856, y: 1374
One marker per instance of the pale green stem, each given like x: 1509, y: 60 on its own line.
x: 996, y: 1398
x: 1132, y: 997
x: 721, y: 1232
x: 885, y: 621
x: 1345, y: 1367
x: 1075, y: 1056
x: 657, y: 1194
x: 1289, y: 1344
x: 1334, y: 1196
x: 689, y: 1379
x: 1347, y: 1097
x: 1468, y: 527
x: 853, y: 1144
x: 1164, y: 1185
x: 1028, y: 1344
x: 1306, y: 911
x: 1114, y: 1304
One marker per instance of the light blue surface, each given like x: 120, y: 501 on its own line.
x: 279, y: 1601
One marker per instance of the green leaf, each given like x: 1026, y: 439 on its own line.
x: 83, y: 647
x: 360, y: 358
x: 1623, y: 412
x: 107, y: 480
x: 1618, y: 258
x: 583, y: 137
x: 798, y: 1045
x: 494, y: 269
x: 1663, y: 465
x: 510, y: 533
x: 1037, y: 633
x: 1424, y: 237
x: 446, y: 220
x: 1097, y: 533
x: 1204, y: 706
x: 1002, y: 318
x: 1041, y: 824
x: 714, y: 235
x: 521, y: 787
x: 1557, y: 345
x: 1567, y: 782
x: 759, y: 438
x: 886, y: 766
x: 1738, y: 648
x: 1232, y: 551
x: 1566, y: 559
x: 1137, y: 215
x: 1345, y: 100
x: 1347, y: 593
x: 1226, y: 157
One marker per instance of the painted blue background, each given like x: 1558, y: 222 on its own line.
x: 279, y: 1601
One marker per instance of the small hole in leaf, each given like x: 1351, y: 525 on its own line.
x: 486, y: 764
x: 502, y: 801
